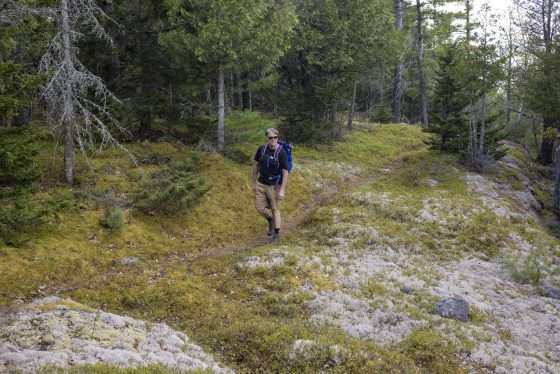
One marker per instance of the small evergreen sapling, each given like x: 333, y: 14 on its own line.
x: 172, y: 190
x: 113, y: 218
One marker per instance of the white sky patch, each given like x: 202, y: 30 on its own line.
x: 499, y: 7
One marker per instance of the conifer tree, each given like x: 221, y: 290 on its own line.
x: 227, y: 33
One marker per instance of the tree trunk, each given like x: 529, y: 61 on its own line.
x: 209, y: 97
x: 397, y: 80
x: 482, y: 128
x: 556, y: 195
x: 68, y: 116
x: 352, y: 106
x: 547, y: 144
x: 421, y: 74
x: 468, y: 10
x: 240, y: 92
x: 509, y: 74
x: 231, y: 102
x: 221, y: 110
x: 251, y: 101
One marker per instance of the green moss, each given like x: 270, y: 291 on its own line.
x: 108, y: 369
x: 373, y: 288
x: 64, y: 304
x: 476, y: 315
x: 527, y: 270
x: 505, y: 335
x: 432, y: 352
x: 510, y: 177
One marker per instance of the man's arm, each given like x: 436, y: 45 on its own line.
x: 282, y: 191
x: 256, y: 169
x: 255, y: 172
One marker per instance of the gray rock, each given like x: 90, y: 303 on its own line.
x: 407, y: 290
x: 63, y: 333
x: 454, y: 308
x: 303, y: 350
x: 126, y: 261
x: 553, y: 293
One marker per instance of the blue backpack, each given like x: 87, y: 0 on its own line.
x: 288, y: 148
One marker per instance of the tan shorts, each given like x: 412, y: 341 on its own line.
x: 266, y: 197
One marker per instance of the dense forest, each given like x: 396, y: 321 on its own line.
x: 109, y: 72
x: 127, y: 130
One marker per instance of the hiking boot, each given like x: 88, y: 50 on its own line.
x: 270, y: 231
x: 275, y: 236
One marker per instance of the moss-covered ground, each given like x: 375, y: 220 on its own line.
x: 251, y: 317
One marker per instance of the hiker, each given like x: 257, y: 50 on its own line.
x: 270, y: 177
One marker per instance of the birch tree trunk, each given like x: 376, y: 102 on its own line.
x: 420, y: 58
x: 352, y: 106
x: 509, y: 73
x: 481, y: 148
x: 68, y: 116
x: 240, y: 92
x: 397, y: 80
x: 221, y: 109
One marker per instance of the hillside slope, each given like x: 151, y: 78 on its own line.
x: 354, y: 287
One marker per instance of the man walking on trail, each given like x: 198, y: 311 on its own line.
x: 270, y: 176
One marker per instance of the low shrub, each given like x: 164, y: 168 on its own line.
x: 431, y: 351
x: 22, y: 213
x: 171, y: 190
x: 113, y: 218
x: 525, y: 271
x: 18, y: 152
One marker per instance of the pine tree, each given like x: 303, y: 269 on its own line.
x: 449, y: 123
x: 227, y: 33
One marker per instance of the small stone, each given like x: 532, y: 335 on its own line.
x: 338, y: 354
x: 126, y: 261
x: 454, y: 307
x: 551, y: 292
x: 302, y: 350
x: 407, y: 290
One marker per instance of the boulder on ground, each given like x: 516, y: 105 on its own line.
x: 454, y: 308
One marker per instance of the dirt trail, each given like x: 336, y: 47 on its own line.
x: 323, y: 198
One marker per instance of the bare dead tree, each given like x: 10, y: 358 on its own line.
x: 78, y: 102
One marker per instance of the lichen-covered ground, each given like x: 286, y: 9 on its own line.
x: 351, y: 289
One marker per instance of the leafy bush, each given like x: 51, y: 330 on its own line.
x: 174, y: 189
x: 113, y: 218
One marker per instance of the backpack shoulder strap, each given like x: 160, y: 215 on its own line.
x: 277, y: 151
x: 263, y: 150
